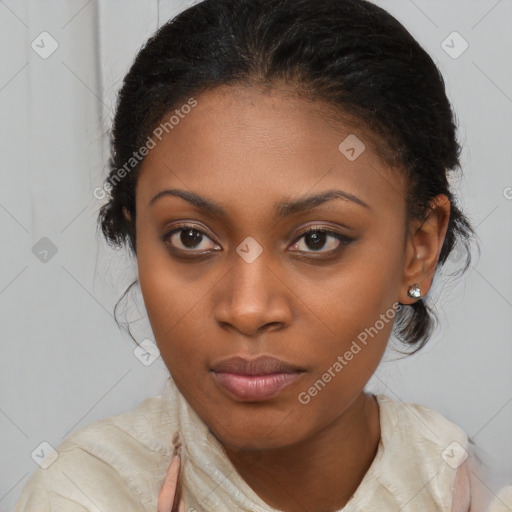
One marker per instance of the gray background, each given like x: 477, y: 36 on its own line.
x: 65, y: 363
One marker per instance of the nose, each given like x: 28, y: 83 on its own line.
x: 253, y: 298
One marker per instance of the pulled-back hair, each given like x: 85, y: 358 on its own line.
x: 349, y: 54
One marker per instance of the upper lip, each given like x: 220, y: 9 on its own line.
x: 261, y: 365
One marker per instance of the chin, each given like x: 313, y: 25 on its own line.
x: 251, y: 434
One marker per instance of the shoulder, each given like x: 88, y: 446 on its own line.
x: 427, y: 428
x: 502, y: 502
x: 128, y: 452
x: 422, y: 452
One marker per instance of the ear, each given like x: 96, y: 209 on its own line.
x: 423, y: 245
x: 126, y: 214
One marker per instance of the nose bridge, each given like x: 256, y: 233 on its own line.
x: 251, y: 295
x: 250, y: 284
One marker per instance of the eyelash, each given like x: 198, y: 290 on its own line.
x: 344, y: 240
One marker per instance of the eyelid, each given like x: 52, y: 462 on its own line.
x: 181, y: 227
x: 324, y: 229
x: 342, y: 238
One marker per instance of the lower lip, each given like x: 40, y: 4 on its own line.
x: 255, y: 388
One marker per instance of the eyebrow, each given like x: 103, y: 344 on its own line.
x: 286, y: 208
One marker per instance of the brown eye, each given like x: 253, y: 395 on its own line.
x: 188, y: 239
x: 317, y: 239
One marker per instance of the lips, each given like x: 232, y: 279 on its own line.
x: 263, y: 365
x: 254, y: 380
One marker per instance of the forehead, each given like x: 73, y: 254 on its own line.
x: 246, y: 146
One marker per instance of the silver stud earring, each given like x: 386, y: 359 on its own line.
x: 414, y: 291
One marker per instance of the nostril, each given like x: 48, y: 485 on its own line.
x: 272, y: 326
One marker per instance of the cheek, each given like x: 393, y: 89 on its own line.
x: 365, y: 286
x: 155, y: 284
x: 158, y: 285
x: 344, y: 361
x: 175, y: 307
x: 357, y: 312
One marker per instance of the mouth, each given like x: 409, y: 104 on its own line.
x: 254, y: 380
x: 254, y: 388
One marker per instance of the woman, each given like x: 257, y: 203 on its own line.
x: 280, y: 171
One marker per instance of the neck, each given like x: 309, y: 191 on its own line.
x: 321, y: 472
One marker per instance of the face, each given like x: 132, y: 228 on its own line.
x: 258, y: 277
